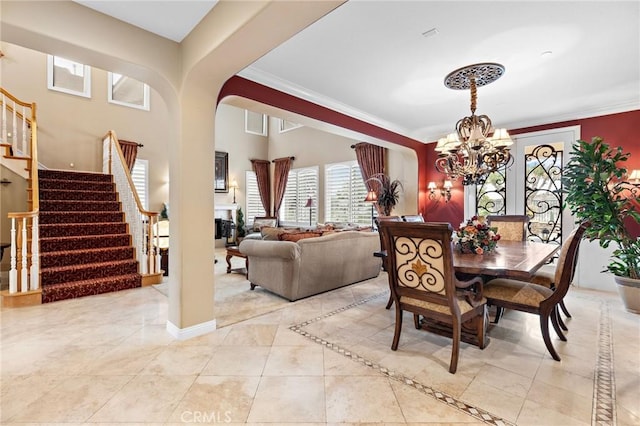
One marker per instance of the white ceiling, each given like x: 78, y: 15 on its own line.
x: 563, y: 60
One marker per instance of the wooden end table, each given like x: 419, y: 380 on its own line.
x: 235, y: 251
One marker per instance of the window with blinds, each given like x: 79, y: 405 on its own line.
x: 345, y: 193
x: 140, y: 177
x: 254, y: 204
x: 302, y: 184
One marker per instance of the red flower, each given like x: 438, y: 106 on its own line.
x: 479, y: 250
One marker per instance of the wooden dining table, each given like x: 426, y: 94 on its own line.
x: 510, y: 259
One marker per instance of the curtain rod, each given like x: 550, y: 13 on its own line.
x: 291, y: 158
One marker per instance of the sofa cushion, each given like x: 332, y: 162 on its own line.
x: 299, y: 235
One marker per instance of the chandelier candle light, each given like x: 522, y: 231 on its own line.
x: 471, y: 153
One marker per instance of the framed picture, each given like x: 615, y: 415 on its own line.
x: 221, y: 172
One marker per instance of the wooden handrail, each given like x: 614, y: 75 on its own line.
x: 113, y: 137
x: 19, y: 114
x: 16, y: 100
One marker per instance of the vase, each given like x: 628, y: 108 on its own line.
x: 629, y: 291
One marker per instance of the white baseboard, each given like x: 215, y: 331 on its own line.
x: 190, y: 332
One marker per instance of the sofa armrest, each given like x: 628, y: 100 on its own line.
x: 261, y: 248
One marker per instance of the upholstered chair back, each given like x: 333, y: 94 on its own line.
x: 510, y: 227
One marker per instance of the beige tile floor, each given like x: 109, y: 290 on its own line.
x: 324, y: 360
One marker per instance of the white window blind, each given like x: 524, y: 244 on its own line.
x: 301, y: 185
x: 127, y: 91
x: 140, y: 177
x: 254, y: 204
x: 345, y: 193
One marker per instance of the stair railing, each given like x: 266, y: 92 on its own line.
x: 20, y: 141
x: 141, y: 222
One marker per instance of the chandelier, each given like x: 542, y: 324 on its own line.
x: 475, y: 149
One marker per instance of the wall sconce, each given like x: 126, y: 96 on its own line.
x: 445, y: 191
x: 634, y: 177
x: 234, y: 185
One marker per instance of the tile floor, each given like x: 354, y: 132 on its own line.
x: 323, y: 360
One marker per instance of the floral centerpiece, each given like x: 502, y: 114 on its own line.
x: 475, y: 236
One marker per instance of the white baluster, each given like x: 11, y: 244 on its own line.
x: 35, y: 256
x: 24, y: 277
x: 24, y: 129
x: 4, y: 119
x: 14, y: 129
x: 13, y: 272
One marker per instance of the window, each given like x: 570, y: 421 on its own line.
x: 140, y: 177
x: 128, y: 91
x: 254, y: 204
x: 301, y: 185
x: 68, y: 76
x: 286, y: 126
x: 345, y: 193
x: 255, y: 123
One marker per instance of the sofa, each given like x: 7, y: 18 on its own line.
x: 312, y: 265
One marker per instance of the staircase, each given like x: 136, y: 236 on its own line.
x: 85, y: 245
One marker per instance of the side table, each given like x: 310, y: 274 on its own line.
x: 235, y: 251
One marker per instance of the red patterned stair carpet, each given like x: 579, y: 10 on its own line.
x: 85, y: 247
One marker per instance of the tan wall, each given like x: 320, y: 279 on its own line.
x: 13, y: 198
x: 70, y: 128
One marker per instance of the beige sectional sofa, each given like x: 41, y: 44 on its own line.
x: 314, y: 265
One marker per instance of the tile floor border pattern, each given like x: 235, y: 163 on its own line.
x: 604, y: 387
x: 475, y: 412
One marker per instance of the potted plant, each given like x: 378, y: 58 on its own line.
x: 240, y: 229
x: 596, y: 191
x: 388, y: 193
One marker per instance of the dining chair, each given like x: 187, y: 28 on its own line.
x: 413, y: 218
x: 422, y: 281
x: 545, y: 276
x: 511, y: 227
x: 383, y: 249
x: 536, y: 299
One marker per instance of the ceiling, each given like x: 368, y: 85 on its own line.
x: 385, y: 61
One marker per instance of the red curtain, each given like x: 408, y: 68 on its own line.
x: 261, y: 168
x: 281, y: 176
x: 129, y: 151
x: 371, y: 161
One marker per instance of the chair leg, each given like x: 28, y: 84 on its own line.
x: 455, y: 350
x: 563, y: 326
x: 499, y: 312
x: 556, y: 325
x: 396, y: 333
x: 481, y: 328
x: 390, y: 302
x: 564, y: 309
x: 544, y: 328
x: 416, y: 321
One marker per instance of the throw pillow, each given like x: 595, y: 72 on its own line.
x: 259, y: 223
x: 297, y: 236
x: 271, y: 233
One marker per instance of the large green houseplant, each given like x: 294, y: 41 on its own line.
x: 388, y: 192
x: 595, y: 187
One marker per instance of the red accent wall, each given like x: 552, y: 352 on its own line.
x: 616, y: 129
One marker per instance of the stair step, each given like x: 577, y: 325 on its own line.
x: 78, y: 205
x: 84, y: 242
x: 67, y: 194
x: 82, y: 257
x: 69, y: 290
x: 80, y: 217
x: 63, y: 274
x: 81, y: 185
x: 81, y: 229
x: 73, y: 175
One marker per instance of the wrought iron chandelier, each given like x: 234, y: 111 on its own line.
x: 475, y: 149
